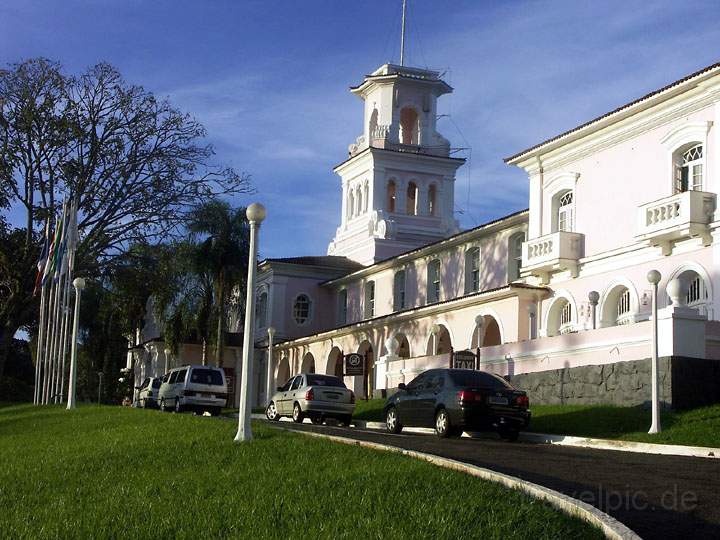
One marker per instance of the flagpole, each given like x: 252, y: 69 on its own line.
x: 48, y: 339
x: 39, y: 353
x: 66, y: 318
x: 53, y: 343
x: 58, y: 342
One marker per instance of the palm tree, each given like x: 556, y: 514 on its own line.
x: 223, y: 235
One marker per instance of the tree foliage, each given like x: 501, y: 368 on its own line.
x: 136, y: 165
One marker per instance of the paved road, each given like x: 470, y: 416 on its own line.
x: 656, y: 496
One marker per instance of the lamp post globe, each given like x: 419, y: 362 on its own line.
x: 653, y: 276
x: 255, y: 213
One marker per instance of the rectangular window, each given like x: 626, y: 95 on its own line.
x: 472, y: 270
x: 342, y: 307
x: 399, y: 291
x: 369, y: 299
x: 433, y: 282
x: 697, y: 174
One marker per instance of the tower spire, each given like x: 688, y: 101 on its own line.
x: 402, y: 34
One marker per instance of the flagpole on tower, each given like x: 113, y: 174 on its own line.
x: 402, y: 35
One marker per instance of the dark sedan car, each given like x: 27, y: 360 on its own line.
x: 457, y: 400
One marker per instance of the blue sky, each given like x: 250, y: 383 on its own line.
x: 269, y: 79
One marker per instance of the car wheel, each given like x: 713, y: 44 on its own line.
x: 509, y: 434
x: 271, y: 412
x: 317, y: 420
x: 443, y: 428
x: 215, y: 411
x: 298, y: 415
x: 346, y: 420
x: 392, y: 422
x: 178, y: 406
x: 163, y: 408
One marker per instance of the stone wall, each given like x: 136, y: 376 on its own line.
x: 684, y: 383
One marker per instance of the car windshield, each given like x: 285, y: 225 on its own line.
x: 324, y: 380
x: 478, y: 379
x: 206, y: 376
x: 156, y: 383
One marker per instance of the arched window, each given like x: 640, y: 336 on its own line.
x: 373, y: 125
x: 697, y: 295
x: 432, y: 202
x: 369, y: 299
x: 515, y: 256
x: 359, y: 201
x: 623, y: 308
x: 472, y: 270
x: 366, y: 197
x: 566, y: 318
x: 301, y: 309
x: 411, y: 205
x: 261, y: 310
x: 409, y: 126
x: 560, y: 318
x: 391, y: 196
x: 433, y: 281
x: 351, y: 205
x: 688, y: 171
x: 565, y: 212
x: 399, y: 290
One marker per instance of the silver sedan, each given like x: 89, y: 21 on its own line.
x: 315, y: 396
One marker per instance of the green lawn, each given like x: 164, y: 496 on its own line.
x: 696, y: 427
x: 112, y: 472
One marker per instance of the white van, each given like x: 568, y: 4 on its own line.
x: 194, y: 388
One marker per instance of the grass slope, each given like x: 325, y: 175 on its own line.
x: 696, y: 427
x: 111, y: 472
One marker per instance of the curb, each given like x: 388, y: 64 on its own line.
x: 566, y: 440
x: 611, y: 527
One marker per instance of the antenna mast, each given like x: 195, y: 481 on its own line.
x: 402, y: 35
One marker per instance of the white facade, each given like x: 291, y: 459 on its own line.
x: 631, y: 191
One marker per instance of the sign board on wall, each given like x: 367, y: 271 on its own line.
x: 464, y: 360
x: 354, y: 364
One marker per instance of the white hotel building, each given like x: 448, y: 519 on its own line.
x: 555, y: 297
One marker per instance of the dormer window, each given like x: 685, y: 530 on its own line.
x: 688, y: 173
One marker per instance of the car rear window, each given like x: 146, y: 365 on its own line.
x: 206, y: 376
x: 156, y: 383
x: 479, y: 379
x: 324, y: 380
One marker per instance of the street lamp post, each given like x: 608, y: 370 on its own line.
x: 269, y: 380
x: 79, y: 284
x: 255, y: 214
x: 594, y: 297
x: 654, y: 277
x: 100, y: 376
x: 167, y: 360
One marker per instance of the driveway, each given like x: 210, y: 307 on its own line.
x: 656, y: 496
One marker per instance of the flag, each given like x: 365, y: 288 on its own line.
x: 54, y: 247
x: 59, y: 256
x: 42, y: 261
